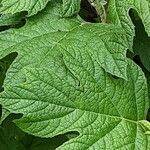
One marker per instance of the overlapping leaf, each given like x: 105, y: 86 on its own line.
x: 70, y: 7
x: 47, y: 32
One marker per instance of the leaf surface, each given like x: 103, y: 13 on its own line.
x: 70, y: 7
x: 14, y: 6
x: 98, y: 107
x: 35, y: 42
x: 119, y: 15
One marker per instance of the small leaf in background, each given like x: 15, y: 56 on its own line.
x: 101, y: 8
x: 70, y: 7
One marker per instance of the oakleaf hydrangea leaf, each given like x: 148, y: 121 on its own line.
x: 98, y: 107
x: 35, y: 41
x: 146, y: 124
x: 119, y: 15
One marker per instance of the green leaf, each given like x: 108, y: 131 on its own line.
x: 14, y: 6
x: 98, y: 107
x: 103, y: 42
x: 146, y: 124
x: 118, y: 14
x: 70, y: 7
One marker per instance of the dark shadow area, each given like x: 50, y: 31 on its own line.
x: 17, y: 20
x: 115, y: 77
x: 141, y: 43
x: 141, y: 48
x: 148, y: 115
x: 24, y: 141
x: 0, y: 111
x: 88, y: 12
x: 4, y: 66
x: 16, y: 26
x: 137, y: 60
x: 139, y: 26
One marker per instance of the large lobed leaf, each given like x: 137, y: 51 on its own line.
x: 36, y: 41
x: 14, y: 6
x: 96, y: 105
x: 61, y: 81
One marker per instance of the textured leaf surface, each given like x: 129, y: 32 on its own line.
x: 70, y: 7
x: 118, y: 14
x: 98, y: 107
x: 14, y: 6
x: 35, y: 42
